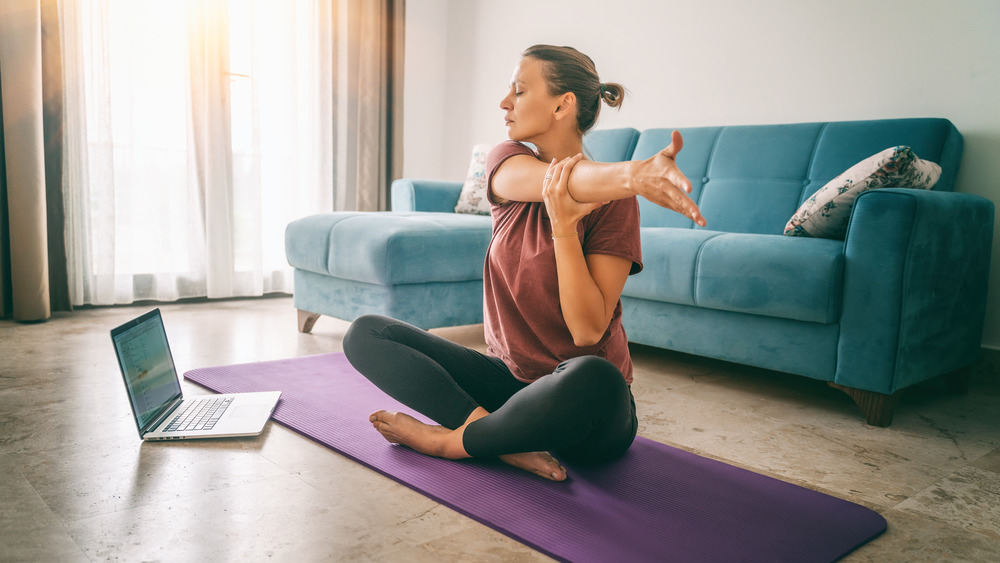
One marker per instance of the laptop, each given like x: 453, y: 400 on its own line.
x: 154, y: 391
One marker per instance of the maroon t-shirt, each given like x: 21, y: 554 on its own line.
x: 523, y: 318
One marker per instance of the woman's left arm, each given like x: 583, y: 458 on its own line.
x: 589, y: 286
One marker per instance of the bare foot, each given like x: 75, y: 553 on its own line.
x: 400, y: 428
x: 438, y: 441
x: 539, y: 463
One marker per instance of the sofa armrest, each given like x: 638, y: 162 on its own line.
x: 916, y: 269
x: 425, y: 195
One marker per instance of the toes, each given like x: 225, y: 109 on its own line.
x: 381, y: 416
x: 380, y: 421
x: 555, y: 471
x: 553, y: 476
x: 539, y: 463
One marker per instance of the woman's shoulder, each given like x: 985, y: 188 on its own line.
x: 507, y: 149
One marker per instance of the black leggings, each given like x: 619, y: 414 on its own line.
x: 583, y: 411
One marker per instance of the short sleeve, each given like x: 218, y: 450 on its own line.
x: 498, y: 156
x: 614, y: 229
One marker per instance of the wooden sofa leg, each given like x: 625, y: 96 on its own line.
x: 877, y: 408
x: 307, y: 320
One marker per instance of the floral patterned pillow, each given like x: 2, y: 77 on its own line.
x: 473, y: 197
x: 826, y: 213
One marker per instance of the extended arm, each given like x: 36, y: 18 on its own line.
x: 657, y: 179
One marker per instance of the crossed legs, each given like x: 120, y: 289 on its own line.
x: 581, y: 411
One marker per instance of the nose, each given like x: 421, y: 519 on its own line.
x: 505, y: 103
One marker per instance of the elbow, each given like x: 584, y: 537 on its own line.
x: 588, y: 332
x: 585, y: 338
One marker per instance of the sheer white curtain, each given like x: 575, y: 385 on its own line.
x: 195, y: 132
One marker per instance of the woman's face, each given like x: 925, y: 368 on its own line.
x: 529, y: 109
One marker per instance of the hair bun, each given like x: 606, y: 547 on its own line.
x: 612, y: 93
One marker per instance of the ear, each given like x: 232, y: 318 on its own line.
x: 567, y: 102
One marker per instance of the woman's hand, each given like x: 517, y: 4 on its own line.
x: 660, y: 181
x: 564, y: 211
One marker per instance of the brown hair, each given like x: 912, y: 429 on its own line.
x: 569, y: 70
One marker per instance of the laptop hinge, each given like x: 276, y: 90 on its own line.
x: 163, y: 416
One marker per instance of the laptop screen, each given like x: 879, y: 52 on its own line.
x: 147, y: 366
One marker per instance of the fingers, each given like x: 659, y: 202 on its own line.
x: 666, y: 192
x: 675, y: 179
x: 695, y: 214
x: 679, y: 179
x: 571, y: 161
x: 674, y: 175
x: 558, y: 172
x: 557, y: 175
x: 685, y: 184
x: 563, y: 209
x: 675, y: 146
x: 687, y: 207
x: 549, y: 172
x: 567, y: 166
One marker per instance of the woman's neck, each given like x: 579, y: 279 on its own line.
x: 559, y: 149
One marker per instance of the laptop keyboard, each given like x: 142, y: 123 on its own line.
x: 199, y: 415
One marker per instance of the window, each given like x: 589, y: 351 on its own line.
x: 195, y: 132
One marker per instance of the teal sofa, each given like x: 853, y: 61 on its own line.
x: 899, y: 301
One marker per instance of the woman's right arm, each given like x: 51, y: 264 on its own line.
x: 657, y: 179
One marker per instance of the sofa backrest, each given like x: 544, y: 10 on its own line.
x: 752, y: 178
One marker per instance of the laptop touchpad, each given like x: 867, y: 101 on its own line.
x: 249, y: 411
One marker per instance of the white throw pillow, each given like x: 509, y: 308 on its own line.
x: 826, y: 213
x: 473, y: 198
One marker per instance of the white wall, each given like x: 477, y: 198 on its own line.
x: 716, y: 62
x: 423, y: 77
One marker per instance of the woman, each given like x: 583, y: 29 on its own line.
x: 565, y: 238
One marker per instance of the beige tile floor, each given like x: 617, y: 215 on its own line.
x: 71, y: 491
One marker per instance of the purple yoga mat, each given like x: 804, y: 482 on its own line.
x: 657, y: 503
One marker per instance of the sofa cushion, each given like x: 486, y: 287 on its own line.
x: 390, y: 248
x: 473, y: 198
x: 772, y: 275
x: 790, y: 278
x: 673, y: 252
x: 826, y: 212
